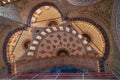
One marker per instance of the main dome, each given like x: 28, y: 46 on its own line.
x: 83, y: 2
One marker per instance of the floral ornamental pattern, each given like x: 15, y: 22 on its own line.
x: 59, y: 40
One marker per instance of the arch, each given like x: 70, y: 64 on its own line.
x: 84, y: 52
x: 40, y: 5
x: 5, y: 46
x: 107, y: 44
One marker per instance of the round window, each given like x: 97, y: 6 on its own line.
x: 26, y: 44
x: 52, y: 23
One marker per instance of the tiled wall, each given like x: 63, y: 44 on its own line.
x: 9, y: 11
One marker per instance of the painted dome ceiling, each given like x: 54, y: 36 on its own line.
x: 83, y: 2
x: 46, y: 36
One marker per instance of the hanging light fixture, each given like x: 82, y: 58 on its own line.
x: 4, y: 2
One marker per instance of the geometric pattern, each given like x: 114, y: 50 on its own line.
x: 56, y: 40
